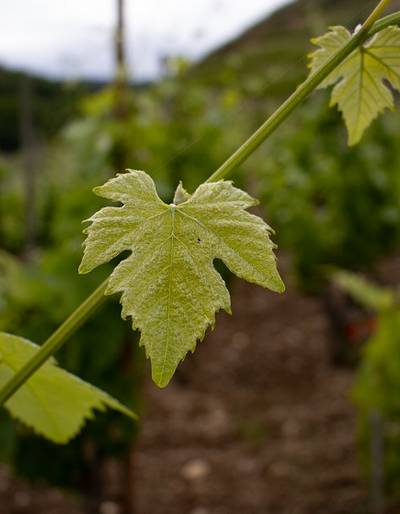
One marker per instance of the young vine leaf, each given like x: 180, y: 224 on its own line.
x: 169, y: 284
x: 53, y: 402
x: 360, y: 91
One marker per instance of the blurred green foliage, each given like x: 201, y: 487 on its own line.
x: 376, y: 390
x: 332, y: 205
x: 377, y: 383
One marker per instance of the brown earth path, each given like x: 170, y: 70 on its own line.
x: 257, y: 422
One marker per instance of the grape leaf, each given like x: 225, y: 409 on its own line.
x: 53, y: 402
x: 360, y: 91
x: 169, y: 285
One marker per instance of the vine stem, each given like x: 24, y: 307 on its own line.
x: 372, y: 18
x: 273, y: 122
x: 383, y: 23
x: 55, y: 341
x: 82, y: 313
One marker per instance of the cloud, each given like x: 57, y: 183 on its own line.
x: 74, y: 38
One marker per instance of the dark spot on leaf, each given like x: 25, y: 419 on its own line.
x: 198, y: 240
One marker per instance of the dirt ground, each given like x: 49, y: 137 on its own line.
x: 256, y: 422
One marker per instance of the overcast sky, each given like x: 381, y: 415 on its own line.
x: 72, y: 38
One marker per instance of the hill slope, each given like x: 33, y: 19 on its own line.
x: 273, y: 52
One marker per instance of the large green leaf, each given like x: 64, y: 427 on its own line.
x: 360, y: 91
x: 53, y: 402
x: 169, y: 285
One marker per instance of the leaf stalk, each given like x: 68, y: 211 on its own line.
x: 54, y: 342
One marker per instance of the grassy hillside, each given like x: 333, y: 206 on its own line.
x: 270, y: 57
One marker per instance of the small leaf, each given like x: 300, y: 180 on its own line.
x: 53, y: 402
x: 366, y: 293
x: 360, y: 91
x: 169, y: 285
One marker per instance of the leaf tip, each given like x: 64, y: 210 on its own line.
x: 82, y: 268
x: 161, y: 379
x: 281, y: 286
